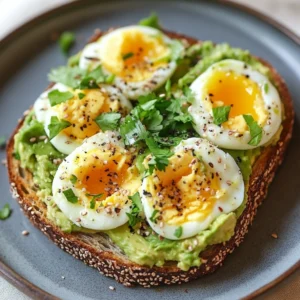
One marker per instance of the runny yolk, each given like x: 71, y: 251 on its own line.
x: 238, y: 91
x: 102, y: 177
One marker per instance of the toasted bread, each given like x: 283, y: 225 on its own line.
x: 97, y: 250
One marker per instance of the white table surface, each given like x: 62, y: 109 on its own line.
x: 285, y: 11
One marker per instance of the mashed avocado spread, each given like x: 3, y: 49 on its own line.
x: 42, y: 159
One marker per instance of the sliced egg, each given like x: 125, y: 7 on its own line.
x: 139, y: 57
x: 248, y: 92
x: 200, y: 183
x: 80, y: 112
x: 92, y: 184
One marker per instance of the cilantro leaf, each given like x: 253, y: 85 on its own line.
x: 136, y: 208
x: 153, y: 121
x: 69, y: 76
x: 5, y: 212
x: 73, y: 179
x: 178, y: 232
x: 221, y: 114
x: 184, y: 118
x: 132, y: 130
x: 255, y: 130
x: 66, y: 41
x: 153, y: 216
x: 57, y: 97
x: 108, y: 121
x: 94, y: 199
x: 168, y: 88
x: 2, y: 141
x: 151, y: 21
x: 70, y: 196
x: 266, y: 88
x: 146, y: 98
x: 56, y: 126
x: 81, y: 95
x: 127, y: 55
x: 189, y: 95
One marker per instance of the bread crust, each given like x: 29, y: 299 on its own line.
x: 128, y: 273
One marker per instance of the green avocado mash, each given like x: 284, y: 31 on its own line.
x: 42, y: 159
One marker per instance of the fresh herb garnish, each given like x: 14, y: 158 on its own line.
x: 177, y: 49
x: 108, y: 121
x: 66, y: 41
x: 2, y: 142
x: 56, y: 126
x: 178, y: 232
x: 70, y: 196
x: 168, y: 88
x: 127, y: 55
x: 57, y: 97
x: 16, y: 155
x: 266, y: 88
x: 151, y: 21
x: 136, y: 208
x: 94, y: 199
x: 221, y: 114
x: 73, y: 179
x: 81, y: 95
x: 255, y: 130
x: 5, y: 212
x: 154, y: 216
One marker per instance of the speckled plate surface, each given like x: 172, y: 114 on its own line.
x: 25, y: 58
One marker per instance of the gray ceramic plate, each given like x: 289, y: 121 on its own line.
x: 25, y: 58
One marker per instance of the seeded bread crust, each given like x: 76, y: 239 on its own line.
x: 98, y: 251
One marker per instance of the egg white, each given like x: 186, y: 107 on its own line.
x: 131, y: 90
x: 79, y: 214
x: 232, y: 186
x: 44, y: 112
x: 225, y: 138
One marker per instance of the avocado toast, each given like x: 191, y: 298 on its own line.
x: 118, y: 253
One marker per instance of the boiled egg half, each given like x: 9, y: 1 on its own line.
x: 243, y: 90
x: 200, y: 183
x: 139, y: 57
x: 92, y: 185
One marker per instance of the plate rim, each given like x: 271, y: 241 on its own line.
x: 34, y: 291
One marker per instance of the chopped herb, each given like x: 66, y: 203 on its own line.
x: 94, y: 199
x: 17, y: 156
x: 168, y: 88
x: 151, y: 21
x: 2, y: 141
x: 153, y: 216
x: 178, y: 232
x: 136, y: 208
x: 81, y: 95
x: 266, y: 88
x: 108, y: 121
x: 127, y: 55
x: 56, y: 126
x: 221, y: 114
x: 184, y: 118
x: 70, y: 196
x: 189, y: 95
x: 132, y: 130
x: 255, y: 130
x: 110, y: 79
x: 73, y: 179
x: 66, y: 41
x: 5, y: 212
x: 57, y: 97
x: 69, y: 76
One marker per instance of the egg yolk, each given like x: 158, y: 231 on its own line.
x: 185, y: 191
x: 238, y: 91
x: 82, y: 112
x: 97, y: 175
x: 134, y: 55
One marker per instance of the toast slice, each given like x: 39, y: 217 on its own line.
x: 97, y: 250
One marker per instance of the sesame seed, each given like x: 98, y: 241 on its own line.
x: 25, y: 232
x: 274, y: 235
x: 112, y: 288
x: 32, y: 140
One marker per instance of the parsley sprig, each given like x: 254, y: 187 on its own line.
x: 136, y: 208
